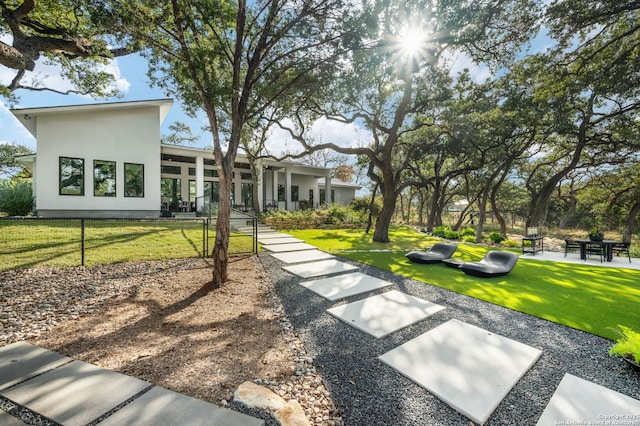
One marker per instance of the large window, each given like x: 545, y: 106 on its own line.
x: 71, y: 176
x: 212, y: 190
x: 281, y: 194
x: 104, y: 178
x: 247, y: 194
x: 294, y: 192
x: 133, y: 180
x: 171, y: 170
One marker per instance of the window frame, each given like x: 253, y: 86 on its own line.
x: 126, y: 181
x: 60, y: 175
x: 115, y: 180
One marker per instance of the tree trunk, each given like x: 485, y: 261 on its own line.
x: 381, y: 232
x: 632, y: 221
x: 569, y: 214
x: 371, y: 204
x: 221, y: 248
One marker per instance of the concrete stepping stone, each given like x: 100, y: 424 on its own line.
x: 578, y: 401
x: 282, y: 248
x: 469, y: 368
x: 20, y: 361
x: 318, y: 269
x: 75, y: 393
x: 162, y: 407
x: 385, y: 313
x: 285, y: 240
x: 270, y: 233
x: 302, y: 256
x: 7, y: 419
x: 341, y: 286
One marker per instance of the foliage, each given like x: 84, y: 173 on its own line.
x: 628, y: 345
x: 8, y: 164
x: 469, y: 239
x: 596, y: 234
x: 496, y: 237
x: 363, y: 204
x: 441, y: 231
x: 451, y: 235
x: 75, y: 35
x: 468, y: 231
x: 508, y: 243
x: 16, y: 197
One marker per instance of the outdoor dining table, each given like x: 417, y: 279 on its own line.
x: 607, y: 244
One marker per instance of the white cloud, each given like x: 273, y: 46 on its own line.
x: 459, y: 61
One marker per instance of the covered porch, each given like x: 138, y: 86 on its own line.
x: 190, y: 182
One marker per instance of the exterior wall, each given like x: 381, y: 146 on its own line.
x: 343, y: 196
x: 127, y: 135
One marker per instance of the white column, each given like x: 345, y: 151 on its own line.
x: 327, y: 186
x: 237, y: 188
x: 260, y: 183
x: 199, y: 182
x: 274, y: 185
x: 287, y: 188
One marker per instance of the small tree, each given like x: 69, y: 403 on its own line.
x: 16, y: 197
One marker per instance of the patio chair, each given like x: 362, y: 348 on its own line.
x: 570, y: 245
x: 621, y: 249
x: 595, y: 249
x: 494, y: 264
x: 435, y: 254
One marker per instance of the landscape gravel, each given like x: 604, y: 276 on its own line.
x: 367, y: 392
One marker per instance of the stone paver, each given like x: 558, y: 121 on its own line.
x: 318, y: 269
x: 285, y: 240
x: 162, y: 407
x: 20, y: 361
x: 469, y: 368
x: 283, y: 248
x: 579, y: 402
x: 341, y: 286
x: 302, y: 256
x: 7, y: 419
x: 75, y: 393
x: 385, y: 313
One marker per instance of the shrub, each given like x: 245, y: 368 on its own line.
x: 469, y: 239
x: 496, y: 237
x: 468, y: 231
x: 16, y: 198
x: 510, y: 243
x: 362, y: 205
x: 441, y: 231
x: 628, y: 346
x: 451, y: 235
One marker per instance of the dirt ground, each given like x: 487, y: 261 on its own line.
x: 173, y: 335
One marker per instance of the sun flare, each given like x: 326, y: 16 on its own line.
x: 412, y: 42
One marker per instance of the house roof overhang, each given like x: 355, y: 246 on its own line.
x: 28, y: 117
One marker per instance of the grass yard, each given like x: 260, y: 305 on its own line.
x: 29, y: 243
x: 590, y: 298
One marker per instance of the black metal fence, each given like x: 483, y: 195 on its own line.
x: 29, y: 242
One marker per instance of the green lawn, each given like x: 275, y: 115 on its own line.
x: 29, y: 243
x: 586, y: 297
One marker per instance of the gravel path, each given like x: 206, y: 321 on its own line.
x: 368, y: 392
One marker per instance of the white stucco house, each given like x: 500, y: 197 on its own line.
x: 107, y: 160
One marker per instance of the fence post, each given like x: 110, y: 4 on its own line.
x: 82, y: 244
x: 255, y: 235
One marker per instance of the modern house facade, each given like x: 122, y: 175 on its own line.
x: 107, y: 160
